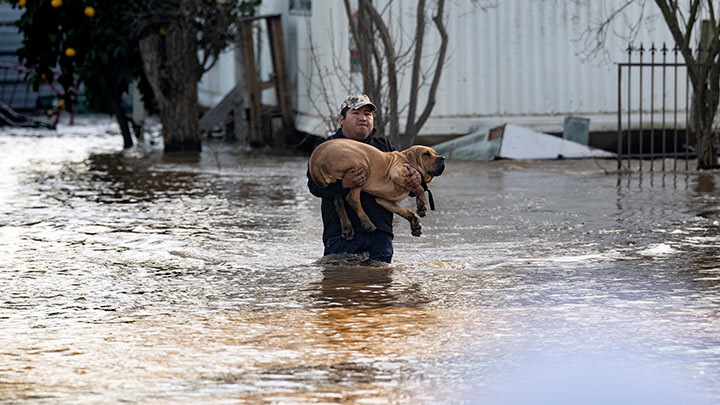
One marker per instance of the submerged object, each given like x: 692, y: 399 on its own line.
x: 515, y: 142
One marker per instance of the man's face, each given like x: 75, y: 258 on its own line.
x: 357, y: 124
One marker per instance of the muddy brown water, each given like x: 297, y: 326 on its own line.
x: 130, y: 276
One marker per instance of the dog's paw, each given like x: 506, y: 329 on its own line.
x: 348, y: 233
x: 421, y: 210
x: 416, y: 228
x: 368, y: 226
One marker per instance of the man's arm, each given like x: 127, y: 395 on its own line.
x: 351, y: 179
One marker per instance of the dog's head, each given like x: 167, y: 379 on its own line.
x: 426, y: 161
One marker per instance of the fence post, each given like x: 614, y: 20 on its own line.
x: 664, y: 130
x: 629, y: 107
x: 640, y: 117
x: 619, y: 121
x: 652, y: 106
x: 675, y: 127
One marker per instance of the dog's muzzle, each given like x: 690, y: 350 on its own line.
x: 439, y: 166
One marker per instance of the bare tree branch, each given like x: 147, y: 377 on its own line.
x: 419, y: 41
x: 384, y: 61
x: 392, y: 71
x: 439, y: 67
x: 681, y: 39
x: 599, y: 32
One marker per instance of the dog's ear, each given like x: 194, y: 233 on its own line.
x: 416, y: 159
x: 413, y: 157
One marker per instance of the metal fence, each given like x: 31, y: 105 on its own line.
x: 654, y: 109
x: 18, y: 96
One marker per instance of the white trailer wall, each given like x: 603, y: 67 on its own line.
x: 518, y: 61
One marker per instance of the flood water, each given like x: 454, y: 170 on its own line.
x: 130, y: 276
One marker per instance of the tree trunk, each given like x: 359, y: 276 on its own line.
x: 703, y: 71
x: 707, y: 158
x: 173, y: 70
x: 706, y: 75
x: 706, y: 105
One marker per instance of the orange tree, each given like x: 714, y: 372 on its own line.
x: 91, y: 43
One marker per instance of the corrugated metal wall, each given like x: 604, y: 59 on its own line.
x: 527, y: 58
x: 529, y: 61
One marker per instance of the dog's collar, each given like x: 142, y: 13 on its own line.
x: 424, y: 185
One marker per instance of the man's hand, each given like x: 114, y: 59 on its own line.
x: 354, y: 178
x: 412, y: 178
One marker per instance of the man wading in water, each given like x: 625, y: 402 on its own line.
x: 356, y: 122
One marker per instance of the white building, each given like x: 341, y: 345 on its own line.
x: 523, y: 62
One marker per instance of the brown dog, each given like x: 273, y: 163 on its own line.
x: 385, y: 178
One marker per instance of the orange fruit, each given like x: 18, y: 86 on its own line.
x: 61, y: 104
x: 89, y: 11
x: 70, y: 52
x: 56, y: 3
x: 21, y: 3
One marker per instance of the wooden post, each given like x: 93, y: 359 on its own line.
x: 252, y: 87
x: 282, y: 84
x: 260, y: 128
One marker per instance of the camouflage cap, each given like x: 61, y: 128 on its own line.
x: 355, y: 101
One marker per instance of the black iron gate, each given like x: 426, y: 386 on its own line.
x: 654, y: 110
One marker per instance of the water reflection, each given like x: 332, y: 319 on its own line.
x: 705, y: 183
x: 354, y: 286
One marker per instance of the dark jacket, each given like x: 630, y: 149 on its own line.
x: 381, y: 217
